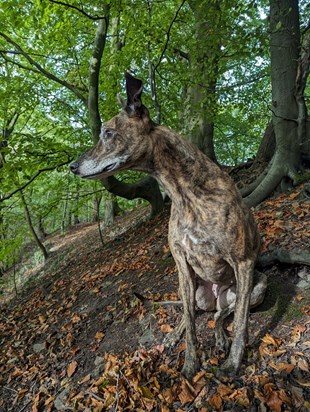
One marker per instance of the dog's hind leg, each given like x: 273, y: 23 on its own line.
x: 244, y: 277
x: 221, y: 339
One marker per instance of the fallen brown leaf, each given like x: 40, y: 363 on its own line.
x: 71, y: 368
x: 274, y: 402
x: 211, y: 324
x: 213, y: 361
x: 85, y: 379
x: 303, y: 365
x: 224, y: 390
x: 185, y: 395
x: 99, y: 336
x: 166, y: 328
x: 282, y: 367
x: 215, y: 401
x: 168, y: 395
x: 271, y: 340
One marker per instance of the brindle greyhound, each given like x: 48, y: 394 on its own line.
x: 212, y: 234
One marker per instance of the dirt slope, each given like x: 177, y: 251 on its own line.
x: 80, y: 338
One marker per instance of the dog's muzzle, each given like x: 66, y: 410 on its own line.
x: 74, y: 167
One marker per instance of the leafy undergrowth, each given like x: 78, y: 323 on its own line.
x: 87, y: 335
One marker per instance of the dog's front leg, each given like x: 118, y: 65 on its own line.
x: 244, y: 277
x: 187, y: 287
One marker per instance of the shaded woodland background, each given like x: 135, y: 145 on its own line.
x: 230, y: 76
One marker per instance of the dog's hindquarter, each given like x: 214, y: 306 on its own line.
x: 214, y: 236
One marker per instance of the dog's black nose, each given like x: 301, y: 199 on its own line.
x: 74, y: 167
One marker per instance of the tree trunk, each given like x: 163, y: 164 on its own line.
x: 33, y: 232
x: 76, y: 219
x: 42, y: 234
x: 301, y: 82
x: 66, y: 215
x: 284, y: 48
x: 109, y: 211
x: 204, y: 65
x: 96, y: 207
x: 2, y: 239
x: 286, y: 108
x: 267, y: 147
x: 202, y: 134
x: 6, y: 132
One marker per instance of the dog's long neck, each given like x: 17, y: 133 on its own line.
x: 184, y: 171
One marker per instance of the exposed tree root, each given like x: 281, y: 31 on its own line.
x: 301, y: 257
x: 246, y: 191
x: 269, y: 182
x: 146, y: 188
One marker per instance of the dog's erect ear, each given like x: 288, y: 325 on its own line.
x: 134, y: 89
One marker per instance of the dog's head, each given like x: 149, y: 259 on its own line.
x: 122, y: 144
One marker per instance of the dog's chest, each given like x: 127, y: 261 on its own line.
x: 194, y: 242
x: 203, y: 254
x: 197, y: 248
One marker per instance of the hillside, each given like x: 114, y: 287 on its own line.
x: 86, y: 334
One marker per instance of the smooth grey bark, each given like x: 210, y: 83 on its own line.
x: 267, y: 147
x: 93, y: 78
x: 109, y: 211
x: 287, y: 103
x: 301, y: 82
x: 285, y: 49
x: 204, y: 65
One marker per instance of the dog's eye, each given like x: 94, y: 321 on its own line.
x: 106, y: 133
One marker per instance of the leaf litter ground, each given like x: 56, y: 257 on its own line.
x: 87, y: 334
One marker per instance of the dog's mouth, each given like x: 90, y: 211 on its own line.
x: 92, y: 169
x: 103, y: 171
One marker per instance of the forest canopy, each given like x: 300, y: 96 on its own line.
x: 211, y: 70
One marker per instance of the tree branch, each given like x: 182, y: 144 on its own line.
x: 18, y: 64
x: 43, y: 71
x: 15, y: 52
x: 168, y: 35
x: 46, y: 169
x: 71, y: 6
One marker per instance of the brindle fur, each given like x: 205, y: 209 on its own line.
x: 212, y: 234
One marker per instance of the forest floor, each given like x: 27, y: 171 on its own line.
x: 78, y: 338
